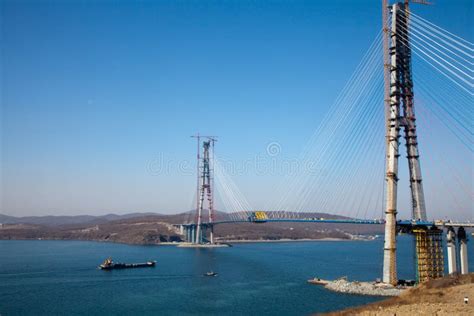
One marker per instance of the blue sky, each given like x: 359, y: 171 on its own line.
x: 93, y: 92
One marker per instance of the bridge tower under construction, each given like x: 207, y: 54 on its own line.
x: 400, y: 114
x: 205, y: 188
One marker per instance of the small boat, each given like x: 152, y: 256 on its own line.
x: 109, y: 264
x: 210, y: 274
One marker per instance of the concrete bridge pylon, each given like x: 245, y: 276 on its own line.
x: 399, y: 109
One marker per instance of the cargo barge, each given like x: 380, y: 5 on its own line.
x: 109, y: 264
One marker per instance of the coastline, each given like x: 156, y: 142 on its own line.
x: 243, y: 241
x: 229, y: 241
x: 444, y: 296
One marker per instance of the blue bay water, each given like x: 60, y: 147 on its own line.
x: 61, y: 277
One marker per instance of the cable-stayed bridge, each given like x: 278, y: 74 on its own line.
x: 350, y: 165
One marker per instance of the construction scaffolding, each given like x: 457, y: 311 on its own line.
x: 429, y: 253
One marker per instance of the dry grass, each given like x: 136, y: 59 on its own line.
x: 444, y: 296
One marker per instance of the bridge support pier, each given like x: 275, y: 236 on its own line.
x: 188, y: 234
x: 429, y: 253
x: 462, y: 237
x: 451, y: 250
x: 211, y: 234
x: 199, y: 236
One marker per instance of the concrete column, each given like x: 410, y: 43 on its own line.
x: 198, y: 239
x: 463, y: 257
x: 203, y: 234
x: 181, y: 229
x: 198, y: 234
x: 211, y: 234
x: 462, y: 237
x: 392, y: 142
x: 451, y: 245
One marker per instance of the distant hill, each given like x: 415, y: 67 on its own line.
x: 153, y: 228
x: 51, y: 220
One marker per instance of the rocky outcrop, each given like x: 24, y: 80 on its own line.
x: 363, y: 288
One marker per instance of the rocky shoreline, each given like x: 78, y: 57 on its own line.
x: 445, y: 296
x: 363, y: 288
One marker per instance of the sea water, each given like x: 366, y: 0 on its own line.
x: 61, y: 277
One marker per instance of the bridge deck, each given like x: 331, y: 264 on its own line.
x: 346, y: 221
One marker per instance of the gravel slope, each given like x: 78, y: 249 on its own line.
x: 437, y: 297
